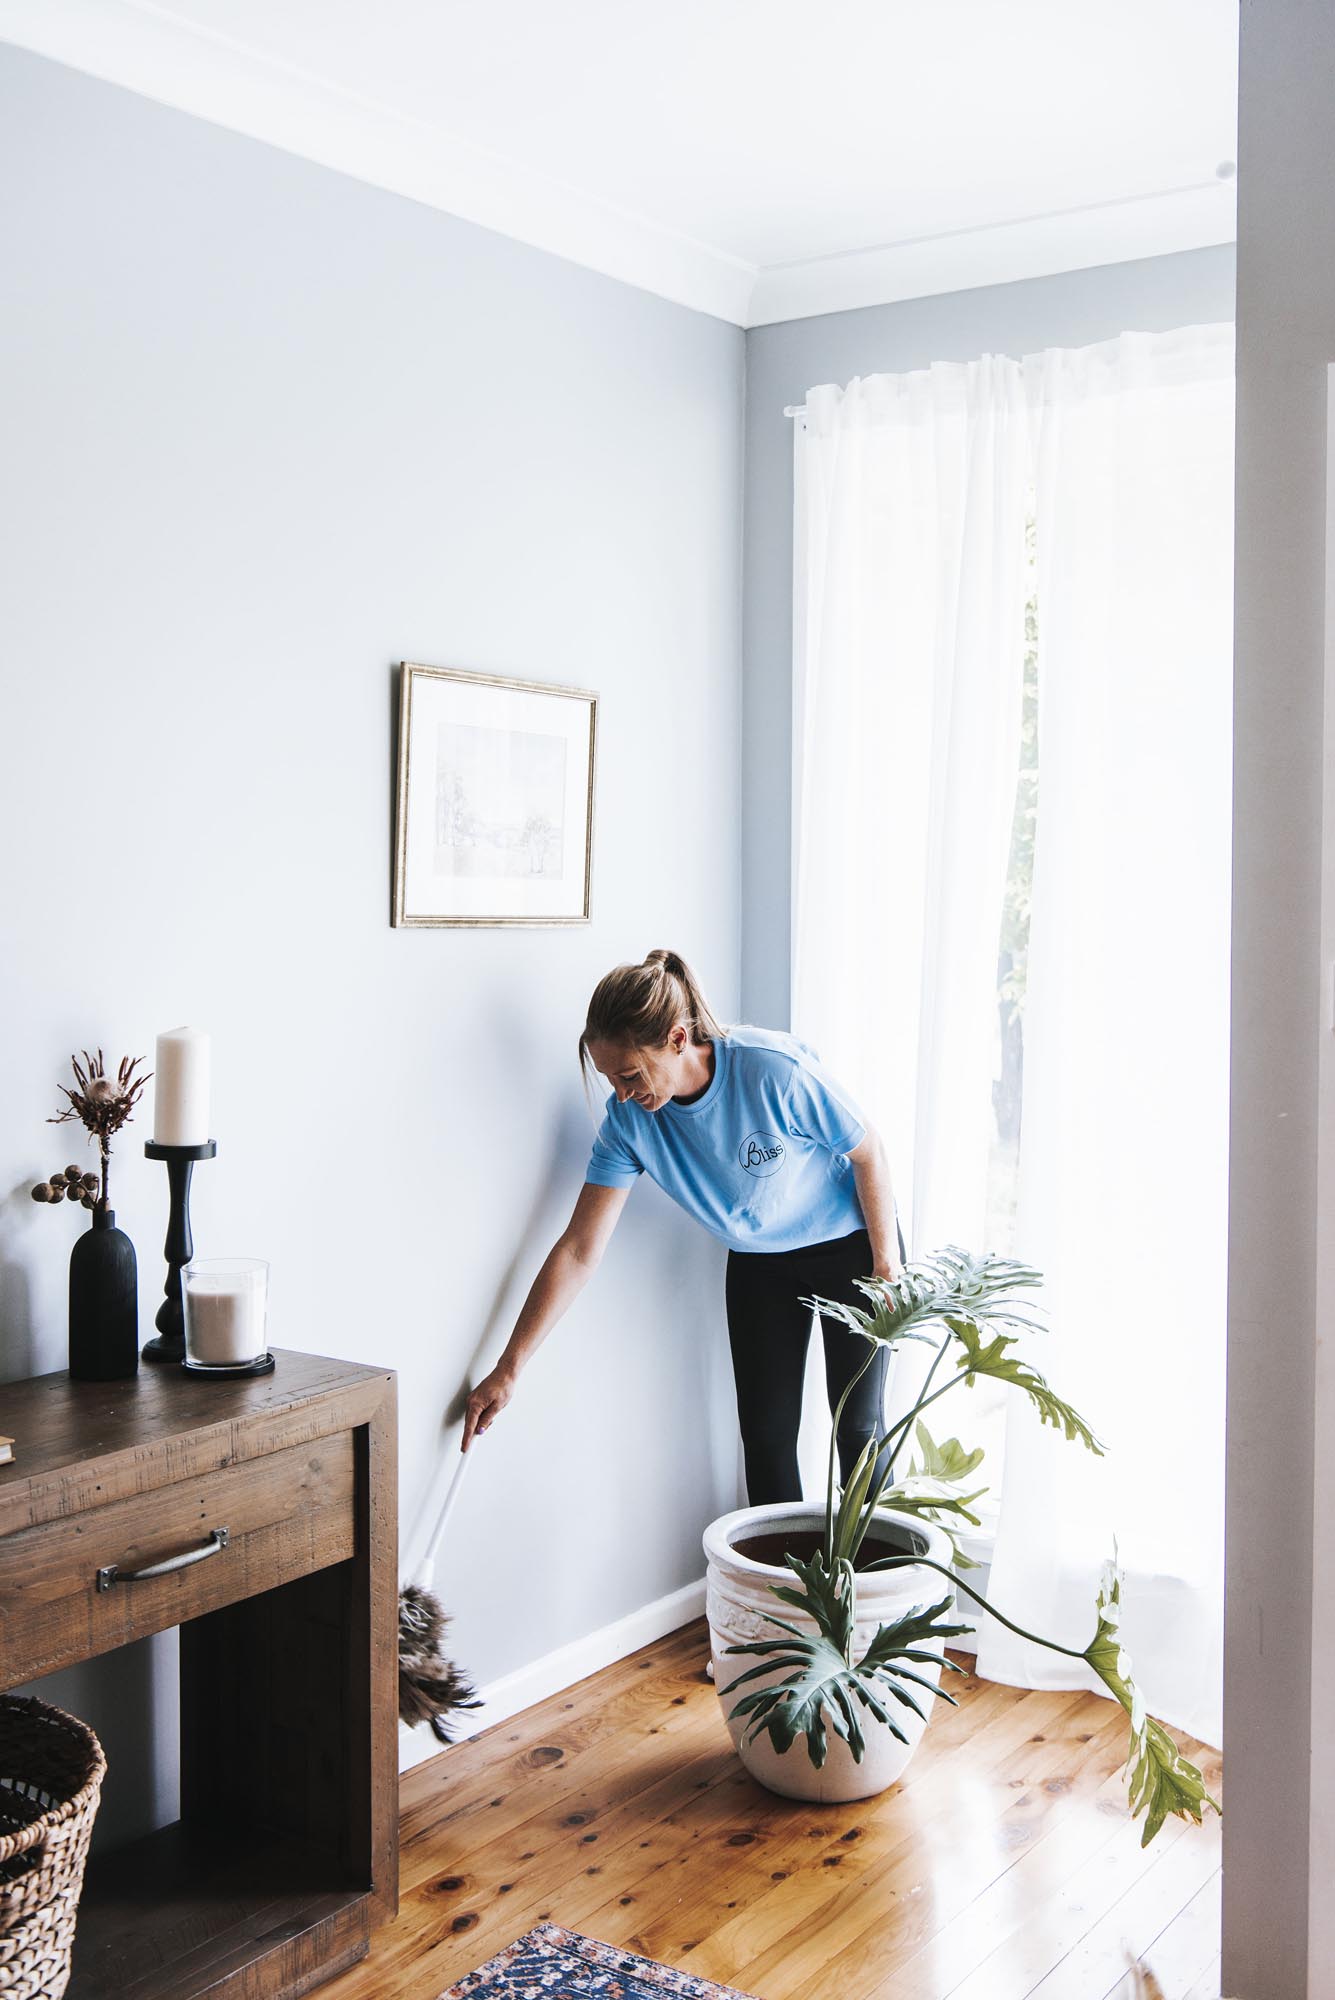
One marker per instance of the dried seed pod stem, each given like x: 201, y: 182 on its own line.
x: 101, y: 1104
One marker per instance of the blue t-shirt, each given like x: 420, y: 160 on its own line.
x: 760, y: 1157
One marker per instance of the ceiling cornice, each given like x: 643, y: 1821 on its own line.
x: 1032, y: 246
x: 214, y: 77
x: 146, y: 49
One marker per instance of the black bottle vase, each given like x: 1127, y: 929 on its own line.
x: 104, y: 1303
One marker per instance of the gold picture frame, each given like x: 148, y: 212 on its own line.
x: 493, y: 801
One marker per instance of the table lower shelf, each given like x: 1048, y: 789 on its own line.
x: 179, y: 1915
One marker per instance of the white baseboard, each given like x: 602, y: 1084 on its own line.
x: 561, y: 1669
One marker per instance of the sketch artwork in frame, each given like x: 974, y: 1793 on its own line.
x: 495, y: 800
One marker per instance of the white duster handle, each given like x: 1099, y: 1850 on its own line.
x: 427, y: 1567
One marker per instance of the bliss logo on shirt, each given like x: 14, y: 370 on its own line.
x: 762, y: 1153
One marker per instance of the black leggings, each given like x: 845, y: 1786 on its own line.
x: 769, y: 1328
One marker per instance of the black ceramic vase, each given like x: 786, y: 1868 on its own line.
x: 104, y: 1303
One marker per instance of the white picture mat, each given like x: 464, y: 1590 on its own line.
x: 436, y: 699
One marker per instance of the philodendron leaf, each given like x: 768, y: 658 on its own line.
x: 986, y: 1289
x: 881, y: 1323
x: 816, y: 1683
x: 994, y: 1359
x: 926, y: 1490
x: 828, y: 1596
x: 1162, y: 1780
x: 819, y: 1683
x: 941, y: 1510
x: 905, y: 1639
x: 943, y: 1461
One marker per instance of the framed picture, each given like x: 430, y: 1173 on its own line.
x: 495, y: 800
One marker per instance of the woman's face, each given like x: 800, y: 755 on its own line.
x: 646, y: 1076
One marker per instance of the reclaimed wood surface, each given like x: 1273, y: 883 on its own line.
x: 1005, y: 1866
x: 178, y: 1915
x: 285, y: 1856
x: 286, y: 1513
x: 83, y: 1445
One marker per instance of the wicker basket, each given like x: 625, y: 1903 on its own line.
x: 51, y: 1771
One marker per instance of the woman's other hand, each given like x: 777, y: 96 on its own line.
x: 485, y: 1404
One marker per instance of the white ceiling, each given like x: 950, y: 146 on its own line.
x: 758, y: 159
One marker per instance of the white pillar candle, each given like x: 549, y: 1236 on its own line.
x: 225, y: 1310
x: 181, y: 1088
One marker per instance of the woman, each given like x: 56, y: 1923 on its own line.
x: 746, y: 1131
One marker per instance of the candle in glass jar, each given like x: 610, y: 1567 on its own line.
x: 181, y: 1088
x: 225, y: 1301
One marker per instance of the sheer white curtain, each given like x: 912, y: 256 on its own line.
x: 1124, y: 1141
x: 910, y: 577
x: 910, y: 495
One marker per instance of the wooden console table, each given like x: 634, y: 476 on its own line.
x: 282, y: 1491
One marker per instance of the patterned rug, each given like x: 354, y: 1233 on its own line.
x: 555, y: 1964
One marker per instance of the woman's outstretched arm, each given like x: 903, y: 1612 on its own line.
x: 569, y: 1265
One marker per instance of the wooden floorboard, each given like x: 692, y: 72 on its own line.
x: 1005, y: 1866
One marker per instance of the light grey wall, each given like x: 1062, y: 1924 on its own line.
x: 265, y: 432
x: 782, y: 363
x: 1286, y: 336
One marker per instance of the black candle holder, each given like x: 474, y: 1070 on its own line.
x: 169, y: 1343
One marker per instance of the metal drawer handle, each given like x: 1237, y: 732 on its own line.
x: 215, y: 1544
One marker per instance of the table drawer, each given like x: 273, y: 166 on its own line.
x: 285, y: 1514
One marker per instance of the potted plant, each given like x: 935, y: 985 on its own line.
x: 843, y: 1684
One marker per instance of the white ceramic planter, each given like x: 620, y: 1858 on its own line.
x: 739, y: 1602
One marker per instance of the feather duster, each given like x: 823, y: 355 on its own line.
x: 431, y: 1687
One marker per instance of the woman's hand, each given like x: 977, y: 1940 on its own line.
x: 487, y: 1401
x: 888, y: 1268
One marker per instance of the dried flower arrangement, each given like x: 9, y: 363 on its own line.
x: 101, y: 1104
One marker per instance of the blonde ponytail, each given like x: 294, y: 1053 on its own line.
x: 638, y: 1006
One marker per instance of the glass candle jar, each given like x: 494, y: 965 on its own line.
x: 226, y: 1305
